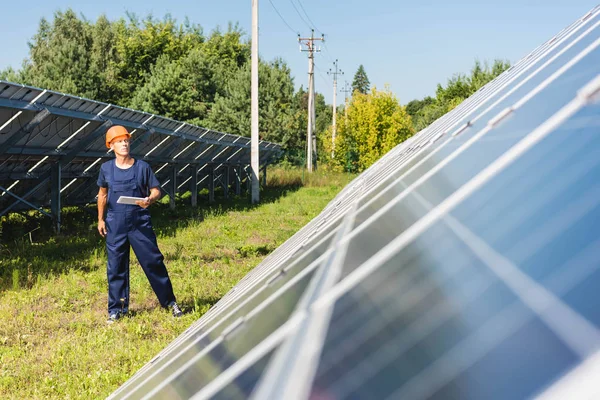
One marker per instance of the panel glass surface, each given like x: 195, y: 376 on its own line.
x: 438, y: 186
x: 207, y: 359
x: 429, y: 322
x: 243, y: 385
x: 583, y: 40
x: 542, y: 212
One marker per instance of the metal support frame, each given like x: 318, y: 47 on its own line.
x: 31, y: 125
x: 249, y: 177
x: 238, y: 179
x: 139, y: 139
x: 173, y: 187
x: 85, y: 142
x: 226, y: 182
x: 21, y: 200
x: 55, y: 187
x: 211, y: 184
x: 83, y: 146
x: 264, y: 177
x: 194, y: 185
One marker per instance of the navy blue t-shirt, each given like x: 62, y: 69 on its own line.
x: 146, y: 179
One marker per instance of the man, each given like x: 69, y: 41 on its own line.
x: 129, y: 224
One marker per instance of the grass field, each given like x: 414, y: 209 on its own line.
x: 54, y: 340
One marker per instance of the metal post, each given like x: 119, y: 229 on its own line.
x: 226, y: 185
x: 55, y: 185
x: 309, y: 133
x: 249, y: 178
x: 335, y: 73
x: 194, y: 185
x: 173, y: 185
x: 238, y: 180
x: 211, y: 184
x: 254, y: 105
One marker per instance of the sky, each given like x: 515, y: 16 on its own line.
x: 409, y: 47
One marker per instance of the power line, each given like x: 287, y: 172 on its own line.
x: 329, y: 55
x: 300, y: 15
x: 283, y: 19
x: 321, y: 73
x: 305, y: 13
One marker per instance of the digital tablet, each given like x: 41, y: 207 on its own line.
x: 128, y: 199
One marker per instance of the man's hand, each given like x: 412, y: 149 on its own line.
x: 144, y: 203
x: 102, y: 228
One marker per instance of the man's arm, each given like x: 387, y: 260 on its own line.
x: 153, y: 198
x: 102, y: 199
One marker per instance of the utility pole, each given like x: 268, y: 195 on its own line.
x: 335, y: 73
x: 347, y: 89
x: 254, y: 106
x: 310, y: 140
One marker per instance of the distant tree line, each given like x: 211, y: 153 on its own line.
x: 458, y: 88
x: 178, y: 71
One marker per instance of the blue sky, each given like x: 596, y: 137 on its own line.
x: 410, y: 46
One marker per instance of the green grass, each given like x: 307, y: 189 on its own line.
x: 54, y: 341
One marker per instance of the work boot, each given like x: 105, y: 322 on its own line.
x: 113, y: 317
x: 176, y: 310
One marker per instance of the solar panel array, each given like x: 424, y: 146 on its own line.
x: 52, y: 146
x: 463, y: 264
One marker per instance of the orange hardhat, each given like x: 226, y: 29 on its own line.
x: 114, y: 132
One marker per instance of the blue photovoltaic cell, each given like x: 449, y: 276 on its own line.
x: 242, y: 385
x: 226, y: 351
x: 466, y: 165
x: 418, y: 311
x: 542, y: 212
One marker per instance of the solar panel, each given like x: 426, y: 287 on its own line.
x: 55, y: 142
x: 463, y: 264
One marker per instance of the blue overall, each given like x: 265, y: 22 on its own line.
x: 130, y: 225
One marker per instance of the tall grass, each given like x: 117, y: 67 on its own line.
x: 54, y: 342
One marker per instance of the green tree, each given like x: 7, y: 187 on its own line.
x: 361, y: 82
x: 226, y: 52
x: 10, y: 75
x: 457, y: 89
x: 376, y: 123
x: 231, y: 111
x: 60, y: 56
x: 139, y: 45
x: 181, y: 89
x: 415, y: 106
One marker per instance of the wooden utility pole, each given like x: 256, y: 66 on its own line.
x: 335, y: 73
x: 347, y: 89
x: 254, y: 156
x: 310, y: 140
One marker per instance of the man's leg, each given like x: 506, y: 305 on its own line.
x: 117, y: 248
x: 143, y: 242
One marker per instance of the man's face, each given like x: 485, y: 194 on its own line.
x: 120, y: 145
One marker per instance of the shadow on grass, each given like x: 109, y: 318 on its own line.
x: 30, y: 250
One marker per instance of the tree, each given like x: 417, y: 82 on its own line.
x: 182, y: 89
x: 60, y: 56
x: 415, y: 106
x: 457, y: 89
x: 10, y: 75
x: 139, y: 44
x: 231, y: 111
x: 361, y: 81
x: 227, y: 53
x: 376, y: 123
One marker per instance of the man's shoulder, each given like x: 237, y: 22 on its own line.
x: 142, y: 164
x: 106, y: 164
